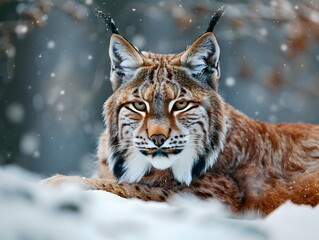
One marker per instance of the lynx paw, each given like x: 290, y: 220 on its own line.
x: 59, y: 180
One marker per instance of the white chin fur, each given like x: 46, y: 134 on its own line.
x: 161, y: 162
x: 135, y: 167
x: 181, y: 164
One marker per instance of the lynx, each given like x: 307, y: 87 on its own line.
x: 168, y: 132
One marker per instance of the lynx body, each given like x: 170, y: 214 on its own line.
x: 169, y: 132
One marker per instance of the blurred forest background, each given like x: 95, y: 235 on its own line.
x: 54, y: 67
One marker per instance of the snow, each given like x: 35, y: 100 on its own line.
x: 263, y: 32
x: 230, y: 81
x: 30, y: 210
x: 51, y: 44
x: 139, y: 41
x: 29, y: 144
x: 88, y: 2
x: 293, y: 222
x: 15, y: 113
x: 21, y: 30
x: 283, y: 47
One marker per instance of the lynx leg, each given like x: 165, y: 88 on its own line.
x: 124, y: 190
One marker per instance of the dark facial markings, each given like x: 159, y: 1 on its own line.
x: 118, y: 157
x: 199, y: 165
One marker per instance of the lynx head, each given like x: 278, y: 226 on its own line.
x: 165, y: 111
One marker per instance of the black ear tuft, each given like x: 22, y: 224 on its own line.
x: 108, y: 20
x: 215, y: 18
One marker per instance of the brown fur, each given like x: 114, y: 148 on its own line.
x: 262, y: 166
x: 259, y: 167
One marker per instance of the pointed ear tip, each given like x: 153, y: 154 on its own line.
x: 116, y: 36
x: 198, y: 42
x: 208, y: 35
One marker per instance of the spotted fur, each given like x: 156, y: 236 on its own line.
x: 151, y: 149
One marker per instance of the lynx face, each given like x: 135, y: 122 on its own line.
x: 165, y: 111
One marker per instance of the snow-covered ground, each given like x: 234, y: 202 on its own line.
x: 29, y: 210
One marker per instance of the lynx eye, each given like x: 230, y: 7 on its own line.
x: 180, y: 105
x: 140, y: 106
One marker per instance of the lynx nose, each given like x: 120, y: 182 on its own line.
x: 158, y: 139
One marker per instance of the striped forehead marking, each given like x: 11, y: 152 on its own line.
x: 159, y: 85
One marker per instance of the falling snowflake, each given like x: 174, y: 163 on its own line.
x: 283, y: 47
x: 263, y: 32
x: 29, y: 144
x: 36, y: 154
x: 51, y: 44
x: 230, y: 81
x: 88, y: 2
x: 15, y: 113
x: 139, y: 41
x: 21, y: 30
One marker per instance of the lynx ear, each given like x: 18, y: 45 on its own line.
x: 125, y: 60
x: 202, y: 60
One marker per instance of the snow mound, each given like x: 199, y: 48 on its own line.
x: 30, y: 210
